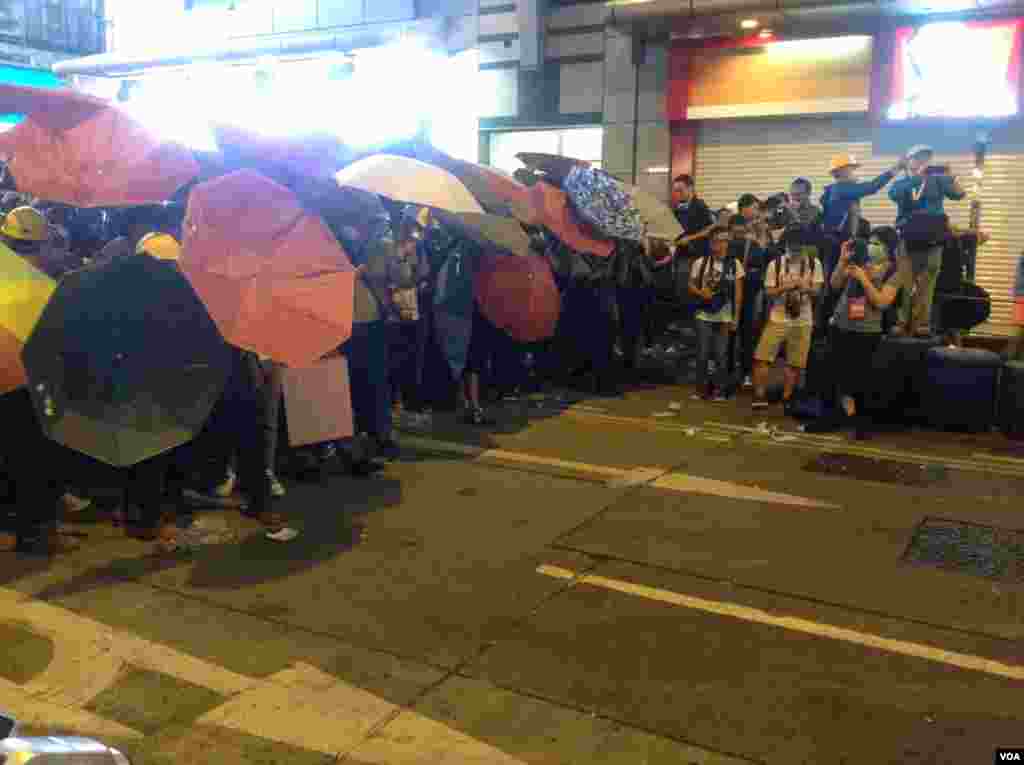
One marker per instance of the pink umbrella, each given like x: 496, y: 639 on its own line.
x: 79, y: 150
x: 272, y: 276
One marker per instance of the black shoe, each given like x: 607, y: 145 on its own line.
x: 366, y: 468
x: 476, y: 417
x: 388, y: 449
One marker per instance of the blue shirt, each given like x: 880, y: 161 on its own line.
x: 938, y: 189
x: 839, y: 196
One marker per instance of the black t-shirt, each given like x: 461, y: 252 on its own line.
x: 694, y: 216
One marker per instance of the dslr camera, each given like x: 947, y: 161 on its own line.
x: 776, y: 211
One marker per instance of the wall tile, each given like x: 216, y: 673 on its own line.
x: 581, y: 88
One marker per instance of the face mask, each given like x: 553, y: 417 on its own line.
x: 878, y: 255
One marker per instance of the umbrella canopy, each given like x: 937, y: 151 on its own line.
x: 605, y: 203
x: 24, y: 293
x: 552, y: 210
x: 272, y: 275
x: 124, y: 363
x: 403, y: 179
x: 554, y: 166
x: 519, y: 296
x: 313, y: 156
x: 81, y: 151
x: 660, y: 221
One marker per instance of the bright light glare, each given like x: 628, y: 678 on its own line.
x: 831, y: 47
x: 934, y: 85
x: 455, y: 126
x: 159, y: 108
x: 749, y: 24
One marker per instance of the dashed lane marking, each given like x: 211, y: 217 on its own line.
x: 795, y: 624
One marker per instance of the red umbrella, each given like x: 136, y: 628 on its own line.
x: 519, y: 296
x: 314, y: 155
x: 79, y: 150
x: 515, y: 194
x: 552, y: 209
x: 271, y: 275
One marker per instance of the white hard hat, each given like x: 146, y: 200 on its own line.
x: 921, y: 148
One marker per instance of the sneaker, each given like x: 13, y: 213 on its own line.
x: 748, y: 382
x: 276, y: 487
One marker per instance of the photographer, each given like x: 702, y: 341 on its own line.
x: 921, y: 216
x: 792, y: 281
x: 693, y: 215
x: 867, y: 280
x: 717, y: 281
x: 751, y: 240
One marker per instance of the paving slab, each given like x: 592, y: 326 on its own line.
x: 467, y: 721
x: 753, y: 690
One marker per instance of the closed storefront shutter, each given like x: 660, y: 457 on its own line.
x: 764, y: 156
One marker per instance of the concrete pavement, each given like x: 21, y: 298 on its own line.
x: 591, y: 584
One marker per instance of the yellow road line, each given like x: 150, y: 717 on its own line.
x: 795, y: 624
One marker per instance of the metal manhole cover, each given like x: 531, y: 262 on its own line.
x: 878, y: 470
x: 968, y: 548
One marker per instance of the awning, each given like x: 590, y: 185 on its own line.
x: 33, y: 78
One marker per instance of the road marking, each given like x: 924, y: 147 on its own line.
x: 660, y: 477
x: 300, y: 706
x: 795, y: 624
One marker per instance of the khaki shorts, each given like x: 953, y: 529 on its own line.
x: 797, y: 338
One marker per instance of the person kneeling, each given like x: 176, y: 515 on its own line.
x: 791, y: 283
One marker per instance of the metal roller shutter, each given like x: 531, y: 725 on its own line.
x: 764, y: 156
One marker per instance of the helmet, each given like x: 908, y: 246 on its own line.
x: 840, y: 161
x: 26, y: 224
x: 159, y: 246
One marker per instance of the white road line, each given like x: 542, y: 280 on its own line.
x: 795, y: 624
x: 623, y: 477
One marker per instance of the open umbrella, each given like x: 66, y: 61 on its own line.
x: 519, y: 296
x: 124, y: 363
x: 553, y: 211
x: 407, y: 180
x: 24, y: 293
x: 660, y: 221
x: 604, y: 202
x: 554, y: 166
x: 271, y: 274
x: 317, y: 155
x: 81, y: 151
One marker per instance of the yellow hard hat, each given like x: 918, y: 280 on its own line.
x: 423, y: 217
x: 159, y: 246
x: 26, y: 224
x: 840, y: 161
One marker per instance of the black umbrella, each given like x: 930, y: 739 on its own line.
x: 125, y: 362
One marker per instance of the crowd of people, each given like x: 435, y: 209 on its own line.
x: 760, y: 278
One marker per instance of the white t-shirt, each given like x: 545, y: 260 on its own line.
x: 793, y: 266
x: 712, y: 276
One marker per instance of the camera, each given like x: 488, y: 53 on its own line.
x: 859, y: 256
x: 776, y: 211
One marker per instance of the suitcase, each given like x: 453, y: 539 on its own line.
x: 1011, y: 400
x: 899, y: 372
x: 961, y: 388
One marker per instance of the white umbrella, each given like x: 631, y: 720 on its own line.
x: 661, y: 221
x: 410, y: 181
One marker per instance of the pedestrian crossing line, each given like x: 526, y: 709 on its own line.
x: 924, y: 651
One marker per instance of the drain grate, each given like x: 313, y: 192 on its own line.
x: 878, y: 470
x: 968, y: 548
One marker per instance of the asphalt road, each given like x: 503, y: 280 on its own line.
x: 647, y: 580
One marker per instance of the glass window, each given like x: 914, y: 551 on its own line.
x: 583, y: 143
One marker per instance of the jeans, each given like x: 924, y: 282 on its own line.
x: 633, y: 302
x: 367, y: 353
x: 744, y: 342
x: 272, y: 397
x: 916, y: 308
x: 35, y: 465
x: 712, y: 345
